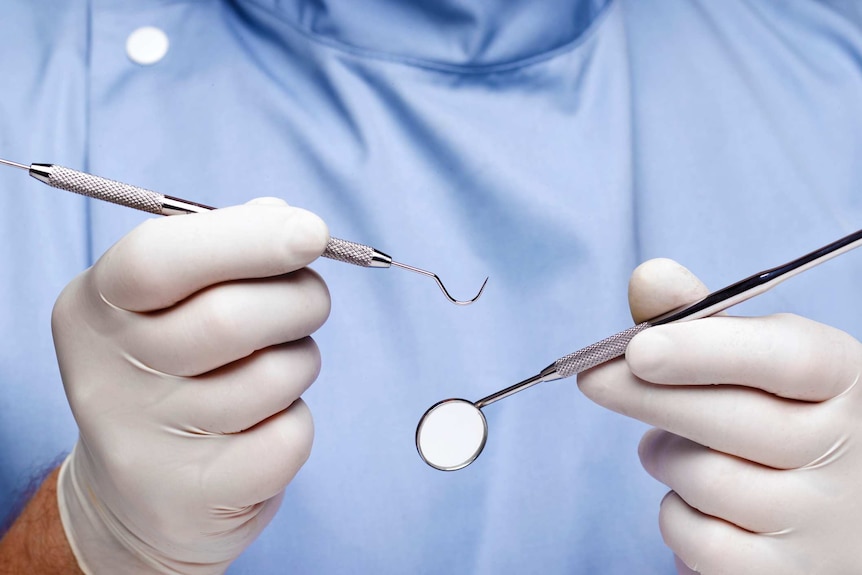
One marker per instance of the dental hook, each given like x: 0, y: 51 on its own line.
x: 440, y: 284
x: 155, y: 203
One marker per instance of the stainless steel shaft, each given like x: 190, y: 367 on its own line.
x: 595, y: 354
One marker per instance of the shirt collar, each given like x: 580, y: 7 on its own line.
x: 468, y: 33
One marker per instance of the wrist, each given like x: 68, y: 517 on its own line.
x: 99, y: 542
x: 36, y: 542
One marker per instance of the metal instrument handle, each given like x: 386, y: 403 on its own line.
x: 356, y: 254
x: 155, y: 203
x: 99, y: 188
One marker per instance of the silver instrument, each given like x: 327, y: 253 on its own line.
x: 453, y: 432
x: 156, y: 203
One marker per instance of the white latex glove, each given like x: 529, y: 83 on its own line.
x: 758, y: 433
x: 184, y: 351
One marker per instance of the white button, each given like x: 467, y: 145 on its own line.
x: 147, y: 45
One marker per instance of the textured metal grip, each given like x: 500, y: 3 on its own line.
x: 349, y: 252
x: 104, y: 189
x: 599, y: 352
x: 156, y: 203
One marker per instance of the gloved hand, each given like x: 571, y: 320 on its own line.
x: 758, y: 432
x: 183, y: 352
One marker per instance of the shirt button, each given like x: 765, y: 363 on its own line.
x: 147, y: 45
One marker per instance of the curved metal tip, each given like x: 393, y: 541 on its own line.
x: 441, y: 286
x: 456, y: 301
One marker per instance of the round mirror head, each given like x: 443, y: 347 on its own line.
x: 451, y: 434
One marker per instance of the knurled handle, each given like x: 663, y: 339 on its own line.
x: 350, y: 252
x: 599, y: 352
x: 153, y: 202
x: 105, y: 189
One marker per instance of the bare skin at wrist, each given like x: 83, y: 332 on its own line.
x: 36, y: 542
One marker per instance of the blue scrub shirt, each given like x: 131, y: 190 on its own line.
x: 552, y: 145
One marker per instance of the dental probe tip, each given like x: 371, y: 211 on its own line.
x: 478, y: 295
x: 14, y: 164
x: 440, y: 284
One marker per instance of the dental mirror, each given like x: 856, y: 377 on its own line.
x: 451, y: 434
